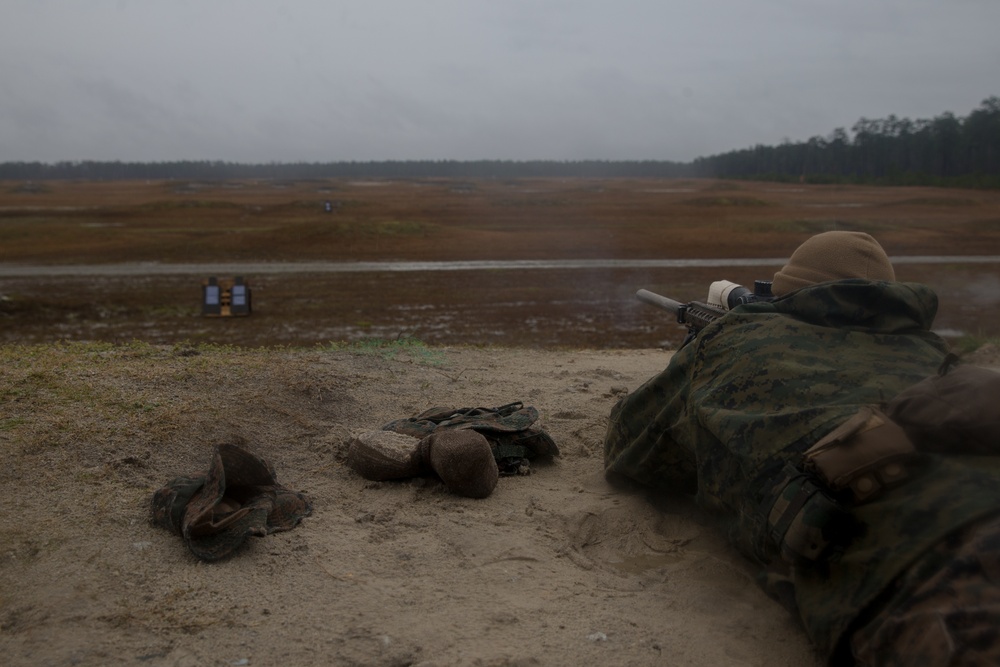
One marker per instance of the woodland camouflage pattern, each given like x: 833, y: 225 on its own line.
x: 758, y: 387
x: 238, y: 497
x: 944, y: 610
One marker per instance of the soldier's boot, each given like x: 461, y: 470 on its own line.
x: 462, y: 459
x: 385, y: 455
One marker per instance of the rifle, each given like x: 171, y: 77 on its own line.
x: 695, y: 315
x: 722, y: 296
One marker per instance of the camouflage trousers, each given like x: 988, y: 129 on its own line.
x: 944, y: 610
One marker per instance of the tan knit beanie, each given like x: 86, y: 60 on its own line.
x: 833, y: 256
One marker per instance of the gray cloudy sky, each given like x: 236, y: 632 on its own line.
x: 328, y: 80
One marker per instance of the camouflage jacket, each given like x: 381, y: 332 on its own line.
x: 757, y: 388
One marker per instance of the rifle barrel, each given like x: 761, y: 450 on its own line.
x: 658, y: 300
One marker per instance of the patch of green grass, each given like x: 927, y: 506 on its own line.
x: 970, y: 343
x: 11, y: 423
x: 169, y: 311
x: 393, y: 350
x: 400, y: 228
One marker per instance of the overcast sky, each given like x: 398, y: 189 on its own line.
x: 328, y: 80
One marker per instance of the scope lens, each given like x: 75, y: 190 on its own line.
x: 737, y: 296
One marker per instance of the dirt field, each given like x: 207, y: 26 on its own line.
x: 554, y: 568
x: 431, y: 220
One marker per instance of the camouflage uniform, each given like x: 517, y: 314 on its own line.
x: 943, y: 610
x: 757, y: 388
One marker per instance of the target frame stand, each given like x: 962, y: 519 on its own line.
x: 226, y: 297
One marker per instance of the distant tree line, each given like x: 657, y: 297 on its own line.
x: 212, y: 170
x: 946, y: 150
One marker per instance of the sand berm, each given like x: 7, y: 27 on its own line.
x: 554, y: 568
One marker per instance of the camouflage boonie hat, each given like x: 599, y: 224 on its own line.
x: 238, y: 497
x: 508, y: 429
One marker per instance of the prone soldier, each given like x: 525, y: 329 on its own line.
x: 843, y: 449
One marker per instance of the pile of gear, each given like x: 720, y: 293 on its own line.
x: 239, y: 496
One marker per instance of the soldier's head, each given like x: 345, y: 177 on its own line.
x: 833, y: 256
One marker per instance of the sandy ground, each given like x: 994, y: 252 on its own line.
x: 554, y: 568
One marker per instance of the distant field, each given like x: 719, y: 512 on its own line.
x: 222, y: 222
